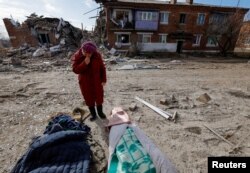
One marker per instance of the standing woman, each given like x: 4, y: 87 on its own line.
x: 88, y: 64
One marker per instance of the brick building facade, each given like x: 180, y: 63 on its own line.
x: 161, y: 25
x: 19, y: 34
x: 36, y: 31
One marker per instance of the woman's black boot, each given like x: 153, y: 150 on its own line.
x: 100, y: 113
x: 93, y: 113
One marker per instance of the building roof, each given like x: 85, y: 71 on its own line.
x: 146, y: 1
x: 177, y: 3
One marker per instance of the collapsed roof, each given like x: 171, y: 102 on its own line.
x: 62, y: 29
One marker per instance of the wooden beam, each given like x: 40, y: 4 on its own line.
x: 220, y: 136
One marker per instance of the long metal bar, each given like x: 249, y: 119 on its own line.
x: 159, y: 111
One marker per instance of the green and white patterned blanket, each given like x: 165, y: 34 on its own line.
x: 130, y: 156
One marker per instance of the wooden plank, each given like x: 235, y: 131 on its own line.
x: 220, y: 136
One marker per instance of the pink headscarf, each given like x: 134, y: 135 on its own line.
x: 118, y: 116
x: 89, y: 47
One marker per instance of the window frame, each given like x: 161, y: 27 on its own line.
x: 208, y: 44
x: 197, y: 37
x: 166, y: 17
x: 183, y: 19
x: 143, y: 37
x: 122, y: 33
x: 165, y: 36
x: 201, y: 21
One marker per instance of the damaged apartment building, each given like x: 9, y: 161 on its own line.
x: 37, y: 31
x: 164, y: 26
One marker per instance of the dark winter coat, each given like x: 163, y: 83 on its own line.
x: 59, y: 150
x: 63, y: 151
x: 90, y: 77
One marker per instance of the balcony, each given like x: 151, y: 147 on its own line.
x: 121, y: 24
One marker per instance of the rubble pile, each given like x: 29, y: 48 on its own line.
x: 64, y: 31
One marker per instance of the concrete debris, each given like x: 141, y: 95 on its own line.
x: 176, y: 62
x: 112, y: 51
x: 116, y: 60
x: 138, y: 67
x: 16, y: 61
x: 133, y: 107
x: 128, y: 67
x: 69, y: 54
x: 204, y: 98
x: 56, y: 48
x: 39, y: 52
x: 164, y: 101
x: 170, y: 102
x: 173, y: 98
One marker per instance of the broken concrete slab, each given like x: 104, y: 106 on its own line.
x: 39, y: 52
x: 128, y: 67
x: 138, y: 67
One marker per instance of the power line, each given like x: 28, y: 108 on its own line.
x: 238, y: 3
x: 92, y: 10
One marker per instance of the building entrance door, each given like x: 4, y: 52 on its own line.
x: 179, y: 46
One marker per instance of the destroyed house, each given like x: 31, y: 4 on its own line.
x: 164, y: 26
x: 37, y: 31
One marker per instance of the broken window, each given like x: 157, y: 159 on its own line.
x: 43, y: 38
x: 164, y: 17
x: 201, y: 19
x: 182, y: 18
x: 197, y: 40
x: 122, y: 18
x: 163, y: 38
x: 122, y: 39
x: 144, y: 38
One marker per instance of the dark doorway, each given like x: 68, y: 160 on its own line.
x: 44, y: 38
x: 179, y: 46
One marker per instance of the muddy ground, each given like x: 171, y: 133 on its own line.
x: 41, y: 87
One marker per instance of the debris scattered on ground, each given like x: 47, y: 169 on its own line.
x: 204, y: 98
x: 133, y: 107
x: 138, y: 67
x: 43, y: 85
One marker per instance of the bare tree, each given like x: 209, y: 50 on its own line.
x: 223, y: 30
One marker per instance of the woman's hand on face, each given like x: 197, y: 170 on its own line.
x: 103, y: 83
x: 87, y: 57
x: 87, y: 60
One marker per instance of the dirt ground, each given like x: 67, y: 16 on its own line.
x: 30, y: 93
